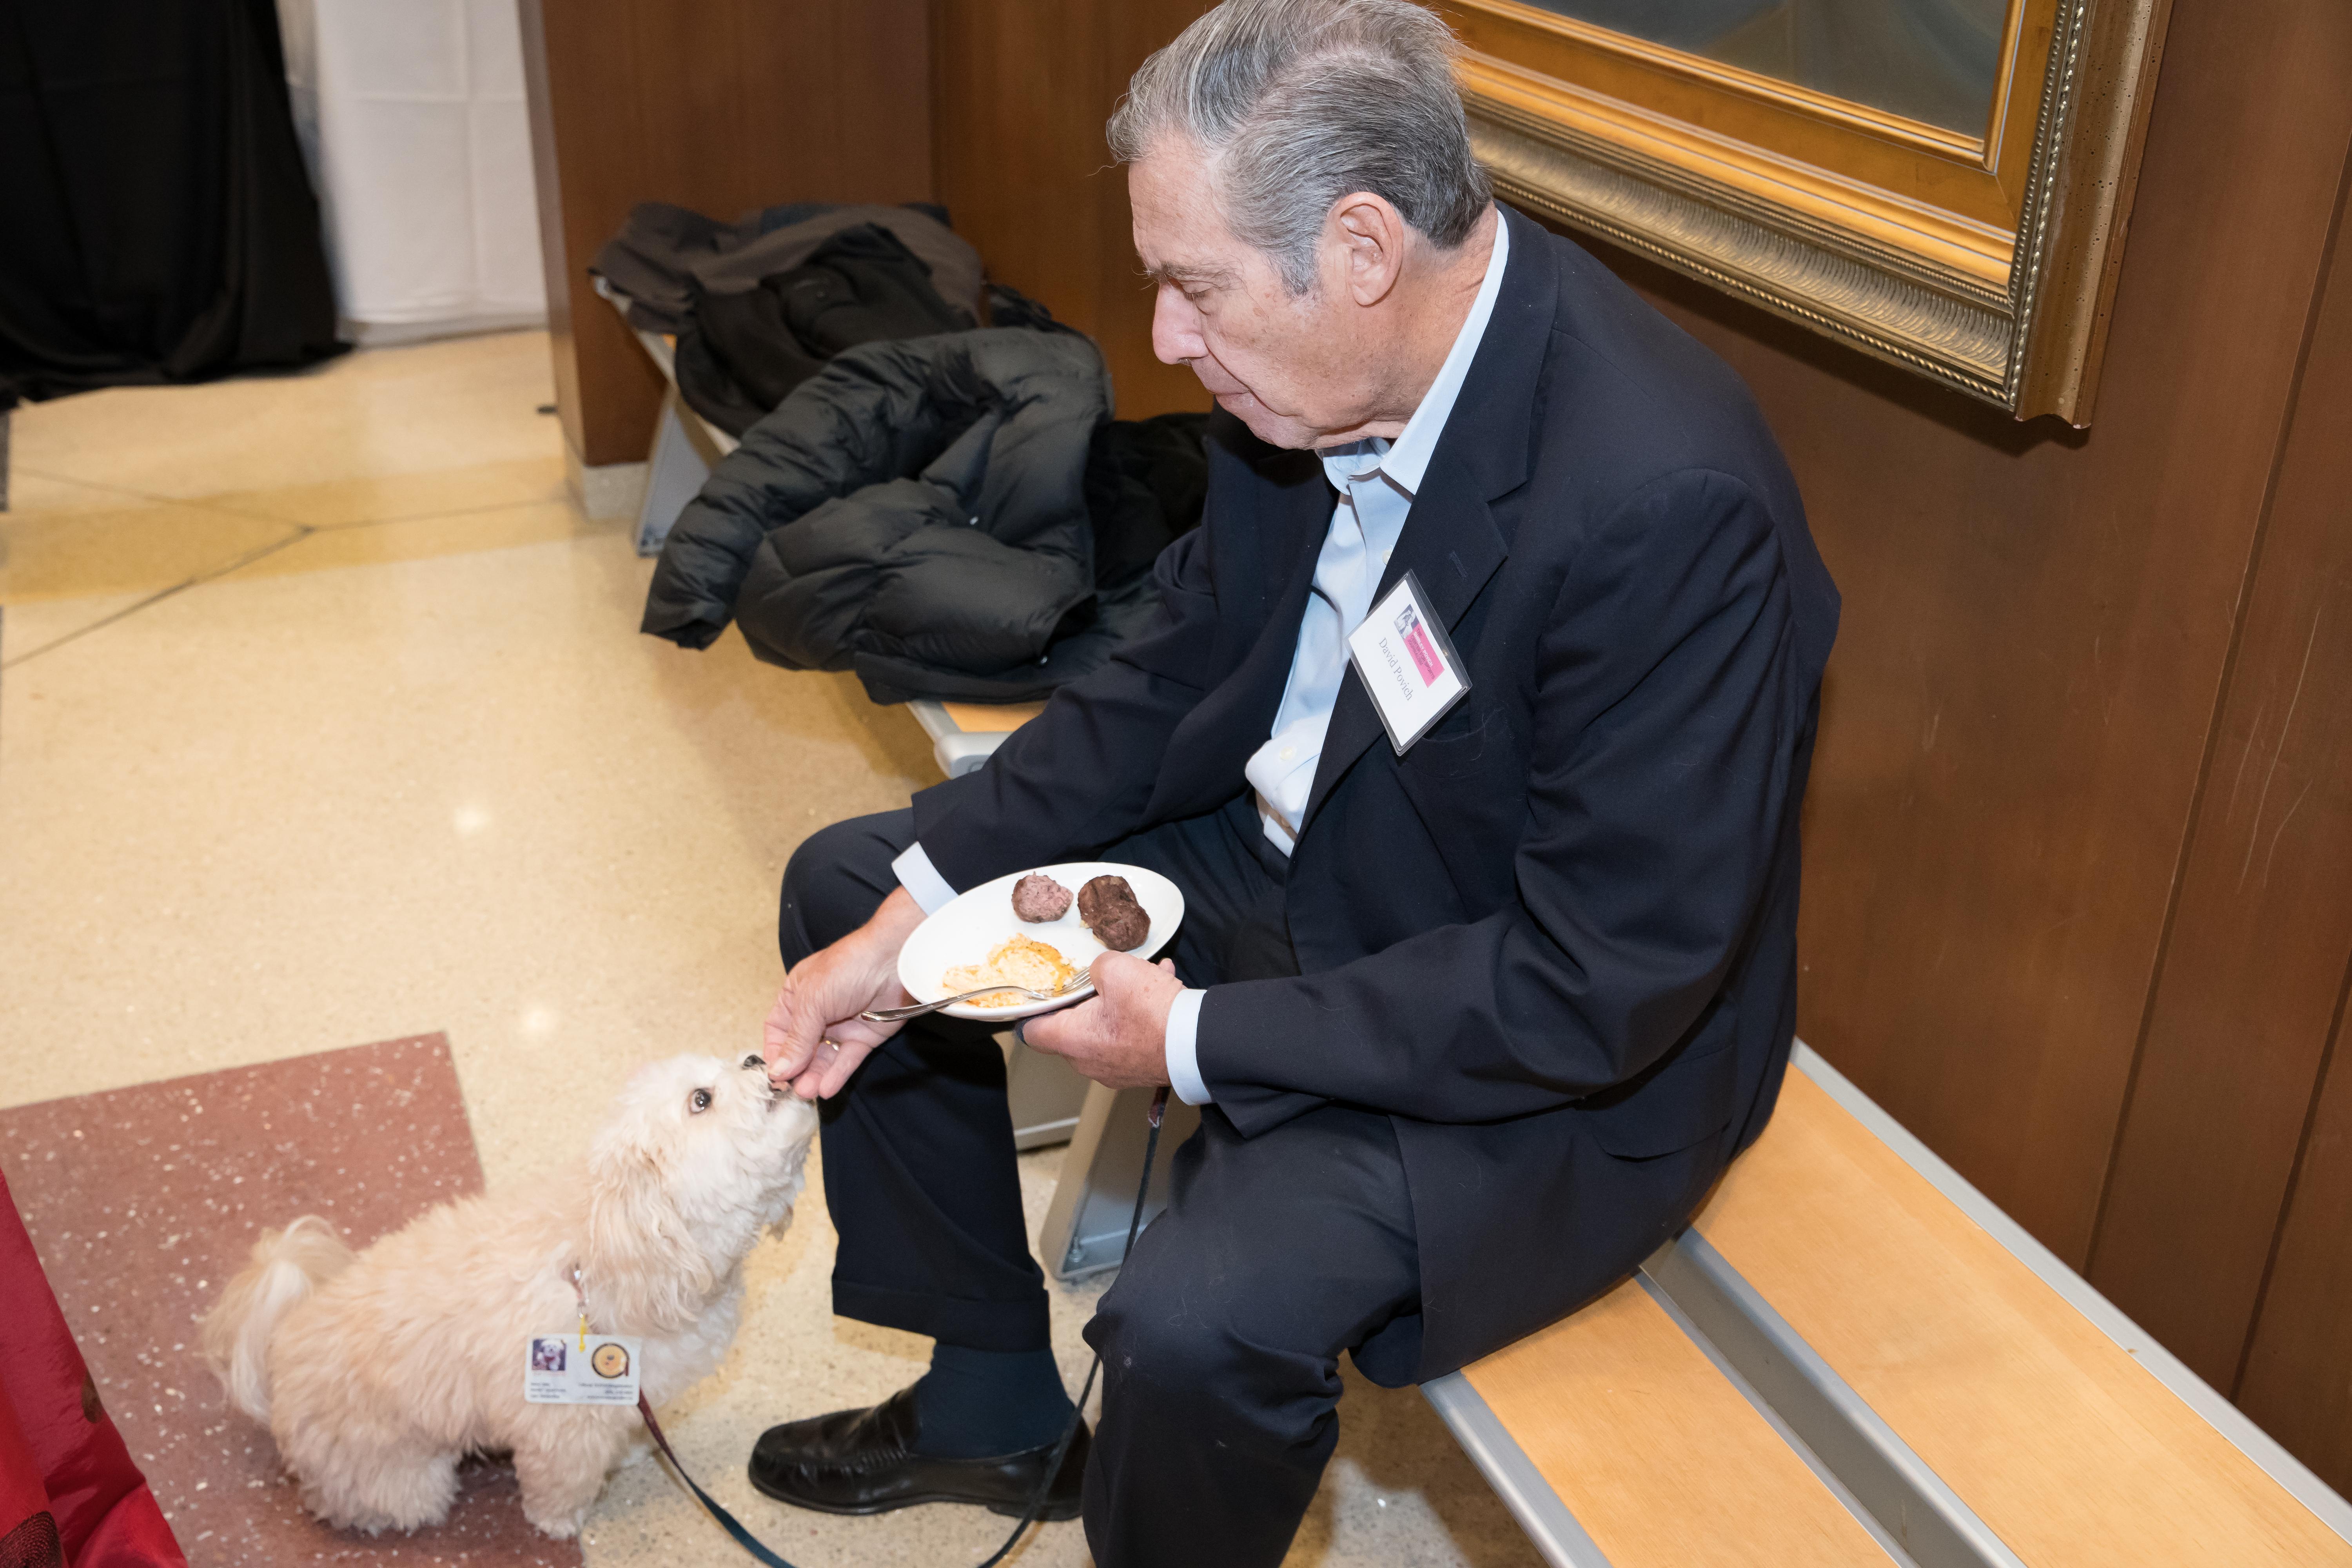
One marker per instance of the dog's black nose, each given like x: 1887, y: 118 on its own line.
x: 754, y: 1060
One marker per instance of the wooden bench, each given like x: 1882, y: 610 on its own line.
x: 1852, y: 1356
x: 964, y: 733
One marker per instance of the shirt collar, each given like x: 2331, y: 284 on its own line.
x: 1404, y: 460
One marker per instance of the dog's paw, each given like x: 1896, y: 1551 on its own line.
x: 562, y: 1528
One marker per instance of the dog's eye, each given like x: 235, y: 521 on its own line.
x: 699, y: 1102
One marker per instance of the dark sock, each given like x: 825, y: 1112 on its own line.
x: 976, y: 1404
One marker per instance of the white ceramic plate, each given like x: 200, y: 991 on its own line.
x: 968, y: 929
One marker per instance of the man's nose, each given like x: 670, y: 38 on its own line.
x: 1176, y: 328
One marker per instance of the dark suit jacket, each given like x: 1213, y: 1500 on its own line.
x: 1555, y: 941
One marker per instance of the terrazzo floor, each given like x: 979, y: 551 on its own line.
x: 324, y: 719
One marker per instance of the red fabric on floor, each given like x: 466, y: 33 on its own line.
x: 29, y: 1532
x: 105, y: 1516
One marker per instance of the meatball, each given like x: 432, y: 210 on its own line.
x: 1037, y: 897
x: 1107, y: 906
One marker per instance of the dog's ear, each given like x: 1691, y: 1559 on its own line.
x: 641, y: 1253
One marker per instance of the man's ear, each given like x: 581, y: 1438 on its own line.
x: 1372, y: 235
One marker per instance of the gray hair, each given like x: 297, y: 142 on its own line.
x: 1300, y: 102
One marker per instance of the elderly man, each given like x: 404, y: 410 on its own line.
x: 1475, y: 1008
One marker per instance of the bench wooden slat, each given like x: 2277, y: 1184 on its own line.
x: 1659, y: 1456
x: 2069, y: 1449
x: 991, y: 717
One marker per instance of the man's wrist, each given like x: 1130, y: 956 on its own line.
x: 896, y: 916
x: 1182, y: 1047
x: 921, y: 879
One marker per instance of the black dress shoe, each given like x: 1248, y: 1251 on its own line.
x: 864, y: 1461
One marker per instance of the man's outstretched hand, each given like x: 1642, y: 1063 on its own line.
x: 815, y: 1038
x: 1118, y: 1037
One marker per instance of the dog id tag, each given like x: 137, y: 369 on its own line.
x: 562, y: 1368
x: 1405, y: 660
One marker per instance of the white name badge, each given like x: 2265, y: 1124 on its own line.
x: 1405, y: 660
x: 557, y: 1370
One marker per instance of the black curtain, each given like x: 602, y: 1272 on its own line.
x: 156, y: 221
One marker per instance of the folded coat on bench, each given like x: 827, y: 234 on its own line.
x: 940, y: 514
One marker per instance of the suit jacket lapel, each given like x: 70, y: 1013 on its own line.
x: 1288, y: 556
x: 1450, y: 541
x: 1288, y: 536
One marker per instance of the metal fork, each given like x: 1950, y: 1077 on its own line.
x: 893, y: 1014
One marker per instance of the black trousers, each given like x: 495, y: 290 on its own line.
x: 1221, y: 1339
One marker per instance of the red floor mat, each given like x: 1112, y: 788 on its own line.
x: 140, y: 1201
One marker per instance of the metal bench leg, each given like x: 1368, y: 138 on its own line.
x: 1086, y: 1226
x: 674, y: 477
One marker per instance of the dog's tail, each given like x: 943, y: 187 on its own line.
x: 286, y: 1266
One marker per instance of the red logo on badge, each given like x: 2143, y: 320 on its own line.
x: 1417, y: 643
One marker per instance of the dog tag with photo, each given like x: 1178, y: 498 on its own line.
x: 557, y: 1368
x: 1407, y: 663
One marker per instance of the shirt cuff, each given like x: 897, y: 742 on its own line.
x: 1184, y: 1048
x: 920, y: 878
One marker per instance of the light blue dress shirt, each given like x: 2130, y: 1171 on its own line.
x: 1376, y: 479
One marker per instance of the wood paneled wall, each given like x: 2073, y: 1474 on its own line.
x: 1022, y: 89
x: 2250, y: 991
x: 717, y: 105
x: 2078, y: 903
x: 2290, y: 714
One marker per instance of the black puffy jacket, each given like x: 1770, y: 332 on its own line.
x: 917, y: 511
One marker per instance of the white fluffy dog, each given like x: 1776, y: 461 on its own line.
x: 378, y: 1371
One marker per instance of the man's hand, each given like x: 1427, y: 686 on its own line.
x: 815, y: 1038
x: 1119, y: 1036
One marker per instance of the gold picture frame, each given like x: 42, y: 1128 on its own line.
x: 1984, y: 260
